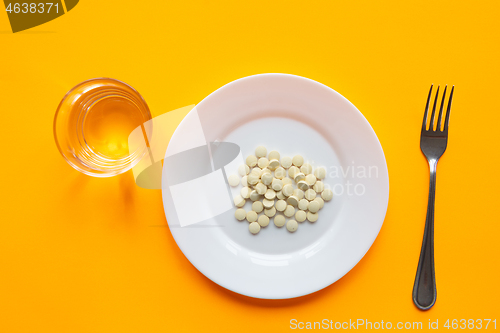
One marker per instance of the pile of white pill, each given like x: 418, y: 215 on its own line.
x: 281, y: 188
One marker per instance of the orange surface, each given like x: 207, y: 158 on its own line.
x: 81, y: 254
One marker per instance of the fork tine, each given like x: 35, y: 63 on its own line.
x: 438, y: 127
x: 431, y: 124
x: 447, y: 120
x: 424, y: 123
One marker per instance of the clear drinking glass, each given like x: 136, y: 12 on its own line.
x: 92, y: 125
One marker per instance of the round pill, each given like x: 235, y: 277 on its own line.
x: 267, y: 178
x: 251, y: 161
x: 310, y: 194
x: 298, y: 193
x: 263, y: 220
x: 298, y: 160
x: 244, y: 181
x: 268, y: 203
x: 240, y: 214
x: 303, y: 185
x: 280, y: 173
x: 279, y: 195
x: 320, y: 201
x: 274, y: 155
x: 252, y: 179
x: 303, y: 204
x: 243, y: 170
x: 306, y: 169
x: 292, y: 200
x: 280, y: 205
x: 318, y: 186
x: 300, y: 216
x: 251, y: 216
x: 270, y: 212
x: 263, y: 162
x: 286, y: 162
x: 292, y: 225
x: 245, y: 192
x: 277, y: 184
x: 286, y: 181
x: 287, y: 190
x: 293, y: 171
x: 310, y: 179
x: 260, y: 151
x: 257, y: 206
x: 289, y: 211
x: 313, y: 206
x: 254, y: 227
x: 261, y: 188
x: 233, y: 180
x: 299, y: 176
x: 264, y: 171
x: 320, y: 173
x: 239, y: 201
x: 257, y: 171
x: 270, y: 194
x: 327, y: 194
x: 279, y: 220
x: 273, y: 164
x: 254, y: 196
x: 312, y: 217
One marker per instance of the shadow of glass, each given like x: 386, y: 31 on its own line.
x: 79, y: 181
x: 127, y: 190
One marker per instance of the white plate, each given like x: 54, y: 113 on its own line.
x: 293, y: 115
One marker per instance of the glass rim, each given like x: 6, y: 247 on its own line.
x: 90, y: 170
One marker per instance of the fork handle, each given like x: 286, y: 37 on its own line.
x: 424, y: 288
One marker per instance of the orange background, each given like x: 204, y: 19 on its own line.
x: 81, y: 254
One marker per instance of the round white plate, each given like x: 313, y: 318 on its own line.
x: 292, y: 115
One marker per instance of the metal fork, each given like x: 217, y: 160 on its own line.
x: 433, y: 143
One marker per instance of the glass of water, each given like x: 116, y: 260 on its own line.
x: 92, y: 125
